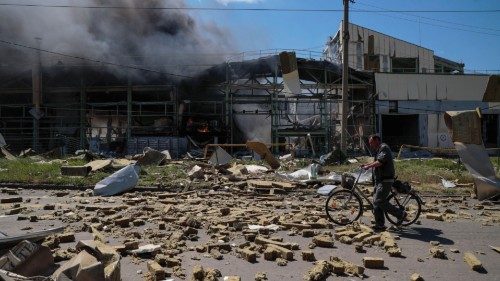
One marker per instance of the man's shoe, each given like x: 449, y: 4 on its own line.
x: 378, y: 228
x: 402, y: 218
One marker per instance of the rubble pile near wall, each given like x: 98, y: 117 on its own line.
x: 223, y: 213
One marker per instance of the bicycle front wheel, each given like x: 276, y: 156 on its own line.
x: 411, y: 205
x: 343, y: 207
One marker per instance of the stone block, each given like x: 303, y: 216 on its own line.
x: 474, y: 263
x: 373, y: 262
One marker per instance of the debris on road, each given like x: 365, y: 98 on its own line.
x: 119, y: 182
x: 474, y: 263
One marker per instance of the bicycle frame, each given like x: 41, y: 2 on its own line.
x: 360, y: 192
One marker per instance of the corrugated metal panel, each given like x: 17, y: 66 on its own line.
x: 430, y: 59
x: 412, y: 85
x: 391, y: 47
x: 418, y: 107
x: 443, y: 134
x: 462, y: 105
x: 421, y: 60
x: 365, y: 39
x: 432, y: 139
x: 398, y: 89
x: 376, y: 47
x: 423, y: 131
x: 412, y: 51
x: 494, y: 107
x: 422, y: 87
x: 441, y: 89
x: 382, y: 87
x: 448, y: 87
x: 398, y: 49
x: 431, y: 88
x: 462, y: 87
x: 382, y: 106
x: 386, y: 46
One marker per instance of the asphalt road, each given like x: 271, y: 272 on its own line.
x: 462, y: 234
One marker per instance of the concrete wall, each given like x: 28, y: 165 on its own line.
x: 430, y: 95
x: 385, y: 46
x: 429, y: 87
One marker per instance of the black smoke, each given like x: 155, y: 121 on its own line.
x: 170, y: 41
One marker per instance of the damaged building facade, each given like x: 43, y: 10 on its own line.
x: 288, y: 100
x: 88, y: 107
x: 414, y: 88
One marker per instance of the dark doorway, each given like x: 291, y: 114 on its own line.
x: 400, y: 129
x: 490, y: 130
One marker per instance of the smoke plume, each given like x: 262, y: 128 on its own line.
x: 163, y: 40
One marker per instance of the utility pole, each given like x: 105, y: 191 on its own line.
x: 345, y: 77
x: 36, y: 77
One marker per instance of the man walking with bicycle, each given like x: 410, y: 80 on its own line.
x: 384, y: 174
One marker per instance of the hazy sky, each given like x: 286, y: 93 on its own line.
x: 471, y: 38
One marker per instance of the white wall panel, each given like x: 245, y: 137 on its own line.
x: 441, y: 89
x: 443, y: 134
x: 382, y: 87
x: 421, y: 86
x: 432, y: 140
x: 365, y: 39
x: 412, y: 87
x: 422, y: 81
x: 392, y: 47
x: 431, y: 87
x: 466, y: 87
x: 376, y: 45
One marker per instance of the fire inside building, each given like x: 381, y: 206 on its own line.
x: 285, y: 99
x: 90, y: 108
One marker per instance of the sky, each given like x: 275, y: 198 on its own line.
x: 471, y: 38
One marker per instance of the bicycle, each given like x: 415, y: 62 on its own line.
x: 345, y: 205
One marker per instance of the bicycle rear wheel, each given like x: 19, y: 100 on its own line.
x: 410, y: 203
x: 343, y: 207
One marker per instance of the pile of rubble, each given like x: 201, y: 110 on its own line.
x: 227, y: 210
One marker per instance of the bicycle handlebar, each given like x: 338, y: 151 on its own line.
x: 359, y: 176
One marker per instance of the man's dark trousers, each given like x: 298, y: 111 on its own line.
x: 380, y: 203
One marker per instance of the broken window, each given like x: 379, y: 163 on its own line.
x: 372, y: 62
x: 490, y: 128
x: 359, y: 55
x: 404, y: 65
x: 385, y: 63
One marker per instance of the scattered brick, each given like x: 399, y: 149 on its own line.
x: 156, y: 270
x: 323, y: 241
x: 371, y: 262
x: 248, y: 255
x: 308, y: 256
x: 416, y: 277
x: 11, y: 200
x: 474, y: 263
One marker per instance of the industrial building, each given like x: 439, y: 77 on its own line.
x: 90, y: 107
x: 287, y: 99
x: 414, y: 88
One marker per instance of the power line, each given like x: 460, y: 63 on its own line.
x: 94, y: 60
x: 246, y: 9
x: 382, y: 13
x: 430, y: 110
x: 433, y: 19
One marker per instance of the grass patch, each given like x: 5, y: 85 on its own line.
x: 168, y: 175
x: 29, y: 171
x: 424, y: 174
x: 32, y: 172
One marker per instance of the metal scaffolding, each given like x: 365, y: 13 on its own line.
x: 82, y: 107
x: 320, y: 100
